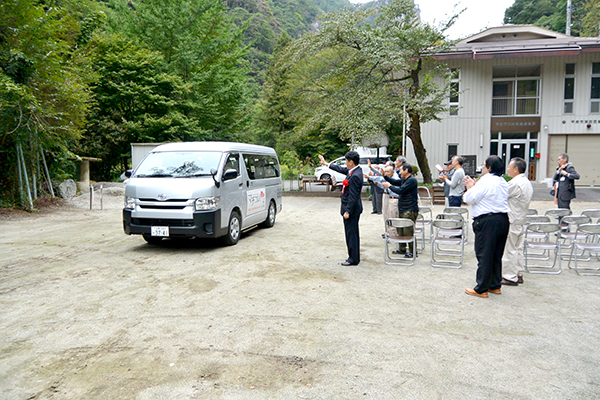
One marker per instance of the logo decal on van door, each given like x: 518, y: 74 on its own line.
x: 256, y: 201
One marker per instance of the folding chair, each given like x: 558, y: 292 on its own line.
x: 558, y: 213
x: 424, y: 220
x: 547, y: 228
x: 420, y: 233
x: 395, y: 240
x: 532, y: 211
x: 425, y: 195
x: 442, y: 257
x: 464, y: 211
x: 593, y: 214
x: 537, y: 236
x: 589, y: 230
x: 570, y: 235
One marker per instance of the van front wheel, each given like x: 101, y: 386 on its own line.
x: 152, y: 239
x: 270, y: 221
x: 234, y: 229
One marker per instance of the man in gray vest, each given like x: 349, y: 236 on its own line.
x: 456, y: 185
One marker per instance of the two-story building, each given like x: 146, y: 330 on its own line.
x: 521, y: 91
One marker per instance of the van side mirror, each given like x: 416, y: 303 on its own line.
x: 230, y: 174
x: 128, y: 173
x: 213, y: 173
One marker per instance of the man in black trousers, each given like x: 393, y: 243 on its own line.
x: 351, y: 202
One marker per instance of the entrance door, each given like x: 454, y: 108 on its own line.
x: 514, y: 149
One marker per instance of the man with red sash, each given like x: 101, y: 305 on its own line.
x: 351, y: 202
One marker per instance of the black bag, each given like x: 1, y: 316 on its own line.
x: 552, y: 192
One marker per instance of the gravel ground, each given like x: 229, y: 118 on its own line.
x: 88, y: 312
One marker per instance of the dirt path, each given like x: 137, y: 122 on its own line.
x: 89, y: 312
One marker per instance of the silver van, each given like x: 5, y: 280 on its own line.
x: 202, y: 189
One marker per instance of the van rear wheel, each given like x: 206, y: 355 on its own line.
x: 234, y: 229
x: 270, y: 221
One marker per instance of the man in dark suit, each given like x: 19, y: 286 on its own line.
x: 351, y: 202
x: 564, y: 182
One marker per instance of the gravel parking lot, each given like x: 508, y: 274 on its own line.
x: 88, y: 312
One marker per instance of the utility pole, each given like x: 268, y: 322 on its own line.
x: 568, y: 30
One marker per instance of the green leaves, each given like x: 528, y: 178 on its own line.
x: 358, y: 73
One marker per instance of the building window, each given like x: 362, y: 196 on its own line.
x: 595, y: 96
x: 452, y: 151
x: 569, y: 93
x: 516, y: 90
x: 454, y: 91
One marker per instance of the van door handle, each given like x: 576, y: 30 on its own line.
x: 247, y: 183
x: 241, y: 184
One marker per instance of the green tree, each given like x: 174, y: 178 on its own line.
x: 43, y: 82
x: 201, y: 44
x: 355, y: 77
x: 591, y: 19
x: 549, y: 14
x: 135, y: 100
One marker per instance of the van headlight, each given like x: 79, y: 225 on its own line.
x: 207, y: 203
x: 129, y: 202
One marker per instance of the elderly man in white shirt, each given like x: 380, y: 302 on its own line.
x: 489, y: 207
x: 520, y: 193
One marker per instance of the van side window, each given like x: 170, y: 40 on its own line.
x: 233, y: 162
x: 261, y: 167
x: 271, y: 167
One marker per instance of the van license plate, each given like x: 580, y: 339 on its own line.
x: 162, y: 231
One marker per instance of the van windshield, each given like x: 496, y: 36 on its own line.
x: 178, y: 164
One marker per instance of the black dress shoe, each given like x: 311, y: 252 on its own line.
x: 374, y: 212
x: 399, y: 252
x: 505, y: 282
x: 408, y: 255
x: 346, y: 263
x: 519, y: 279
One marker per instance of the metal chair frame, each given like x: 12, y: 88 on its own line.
x: 420, y: 227
x: 428, y: 197
x: 544, y: 255
x: 558, y: 213
x: 396, y: 240
x: 547, y: 228
x: 593, y: 214
x: 571, y: 234
x: 464, y: 212
x: 439, y: 239
x: 532, y: 211
x: 589, y: 230
x: 449, y: 232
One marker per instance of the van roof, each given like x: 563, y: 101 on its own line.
x: 214, y: 146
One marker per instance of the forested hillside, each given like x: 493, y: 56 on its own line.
x: 552, y: 14
x: 86, y: 78
x: 89, y: 77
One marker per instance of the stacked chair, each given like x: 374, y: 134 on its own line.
x: 395, y: 240
x: 449, y: 231
x: 542, y: 236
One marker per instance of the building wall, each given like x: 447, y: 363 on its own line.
x: 471, y: 129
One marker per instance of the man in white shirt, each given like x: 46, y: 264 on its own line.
x: 520, y: 193
x: 489, y: 207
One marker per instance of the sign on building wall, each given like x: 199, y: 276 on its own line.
x: 515, y: 124
x: 470, y: 165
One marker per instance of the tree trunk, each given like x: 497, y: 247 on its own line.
x: 414, y: 132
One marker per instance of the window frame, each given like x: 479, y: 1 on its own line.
x: 454, y: 106
x: 569, y: 102
x: 594, y: 101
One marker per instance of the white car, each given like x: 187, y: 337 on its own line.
x: 326, y: 173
